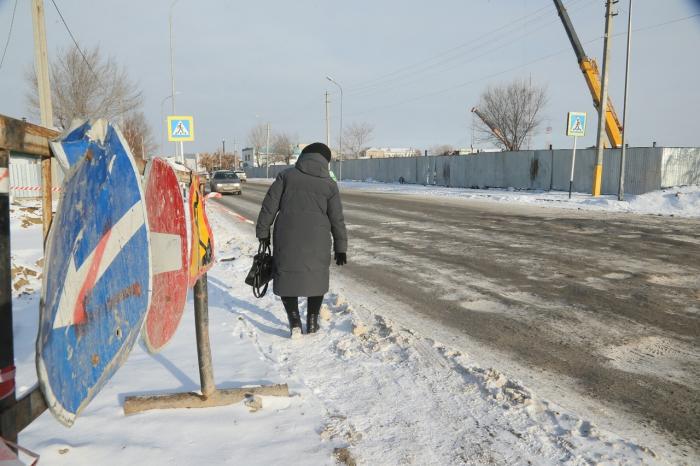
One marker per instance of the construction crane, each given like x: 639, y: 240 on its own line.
x: 494, y: 129
x: 589, y: 67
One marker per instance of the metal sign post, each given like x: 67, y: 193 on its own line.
x: 576, y: 127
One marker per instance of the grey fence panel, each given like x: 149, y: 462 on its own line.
x: 647, y: 169
x: 680, y: 166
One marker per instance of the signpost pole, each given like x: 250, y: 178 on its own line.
x: 8, y: 428
x: 573, y: 164
x: 201, y: 324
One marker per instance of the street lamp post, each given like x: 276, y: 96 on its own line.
x: 340, y: 136
x: 162, y: 119
x: 621, y: 187
x: 172, y: 73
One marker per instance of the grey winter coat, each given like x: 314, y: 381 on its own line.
x: 304, y: 204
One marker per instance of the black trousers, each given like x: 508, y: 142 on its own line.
x: 291, y: 304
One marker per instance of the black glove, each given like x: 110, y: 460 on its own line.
x: 341, y: 258
x: 264, y: 242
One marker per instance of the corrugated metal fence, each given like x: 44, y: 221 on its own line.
x: 647, y: 169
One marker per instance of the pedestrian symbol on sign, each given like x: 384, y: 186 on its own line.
x: 180, y: 128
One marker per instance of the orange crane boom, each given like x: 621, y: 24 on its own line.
x: 589, y: 67
x: 494, y: 129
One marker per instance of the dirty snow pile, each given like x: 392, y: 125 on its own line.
x: 363, y: 390
x: 683, y: 201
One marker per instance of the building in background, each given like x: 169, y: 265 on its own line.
x: 385, y: 152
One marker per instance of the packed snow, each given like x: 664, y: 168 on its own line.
x: 682, y: 201
x: 363, y: 390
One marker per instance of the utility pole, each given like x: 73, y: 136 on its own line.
x: 621, y: 187
x: 328, y: 126
x: 267, y: 152
x: 602, y: 108
x: 41, y: 65
x: 223, y: 153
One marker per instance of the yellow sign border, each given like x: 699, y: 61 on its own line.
x: 172, y: 138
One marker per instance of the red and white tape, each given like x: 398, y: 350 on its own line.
x: 4, y: 180
x: 31, y: 188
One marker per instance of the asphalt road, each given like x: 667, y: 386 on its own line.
x: 610, y: 301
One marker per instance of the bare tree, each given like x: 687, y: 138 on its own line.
x: 510, y: 113
x: 208, y: 161
x: 283, y: 147
x: 355, y: 138
x: 138, y: 135
x: 257, y: 137
x: 90, y: 87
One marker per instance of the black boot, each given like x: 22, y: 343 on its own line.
x: 312, y: 310
x: 291, y: 305
x: 311, y: 322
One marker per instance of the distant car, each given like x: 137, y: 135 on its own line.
x: 225, y: 182
x: 241, y: 175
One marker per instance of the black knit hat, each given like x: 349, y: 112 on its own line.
x: 318, y: 148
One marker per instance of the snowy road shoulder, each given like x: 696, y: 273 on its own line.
x: 362, y: 388
x: 392, y: 396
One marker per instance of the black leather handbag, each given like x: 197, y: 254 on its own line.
x: 261, y: 271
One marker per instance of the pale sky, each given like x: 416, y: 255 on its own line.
x: 410, y: 68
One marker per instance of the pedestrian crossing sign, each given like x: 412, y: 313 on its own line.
x: 180, y: 128
x: 576, y: 124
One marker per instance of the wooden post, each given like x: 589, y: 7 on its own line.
x: 41, y: 66
x: 46, y: 197
x: 7, y: 351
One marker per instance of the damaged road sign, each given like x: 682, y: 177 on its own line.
x: 97, y: 274
x: 167, y: 223
x: 202, y: 246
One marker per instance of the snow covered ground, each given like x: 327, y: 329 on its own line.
x: 683, y: 201
x: 362, y: 390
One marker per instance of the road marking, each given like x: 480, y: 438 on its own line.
x: 236, y: 215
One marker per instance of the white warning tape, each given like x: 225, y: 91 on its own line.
x: 4, y: 180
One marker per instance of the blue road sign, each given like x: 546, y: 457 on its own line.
x: 97, y: 274
x: 73, y: 145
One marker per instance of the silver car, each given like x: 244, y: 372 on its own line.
x: 225, y: 182
x: 241, y: 175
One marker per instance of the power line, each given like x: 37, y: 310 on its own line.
x: 473, y: 44
x: 70, y: 33
x: 536, y: 60
x: 9, y: 34
x: 483, y: 42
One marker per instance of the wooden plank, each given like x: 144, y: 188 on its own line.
x: 219, y: 397
x: 20, y: 136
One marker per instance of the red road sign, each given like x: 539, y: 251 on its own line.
x: 168, y: 228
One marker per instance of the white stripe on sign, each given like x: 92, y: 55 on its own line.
x: 79, y: 282
x: 4, y: 180
x: 165, y: 252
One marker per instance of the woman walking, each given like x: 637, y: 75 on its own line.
x: 304, y: 204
